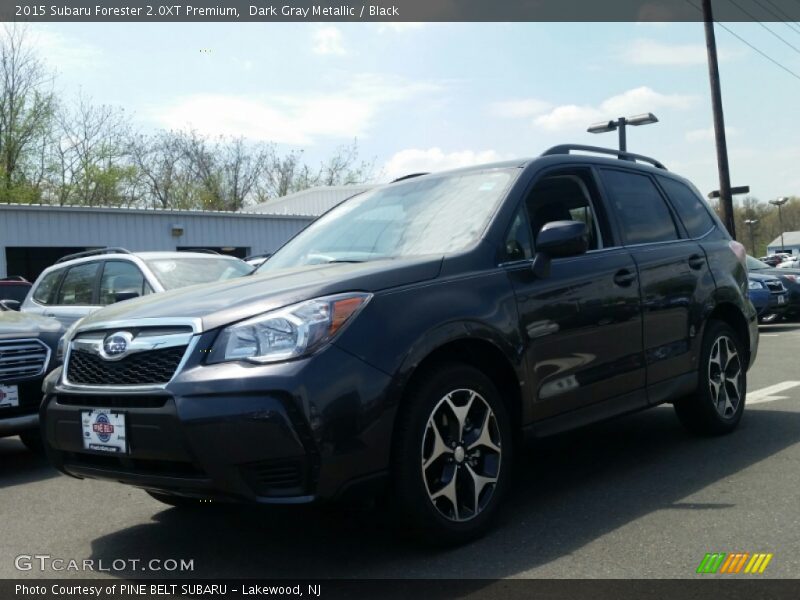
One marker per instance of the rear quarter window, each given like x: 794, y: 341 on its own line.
x: 691, y: 209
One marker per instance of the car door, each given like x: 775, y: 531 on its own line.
x: 581, y: 325
x: 674, y: 277
x: 77, y: 295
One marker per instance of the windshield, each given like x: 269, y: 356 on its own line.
x: 174, y: 273
x: 432, y: 215
x: 753, y: 264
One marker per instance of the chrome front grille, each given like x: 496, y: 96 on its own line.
x: 22, y: 358
x: 155, y: 367
x: 126, y: 356
x: 776, y: 287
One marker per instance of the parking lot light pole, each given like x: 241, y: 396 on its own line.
x: 620, y: 124
x: 780, y: 202
x: 750, y: 223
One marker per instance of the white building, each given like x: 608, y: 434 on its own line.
x: 791, y: 243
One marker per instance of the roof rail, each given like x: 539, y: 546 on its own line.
x: 409, y: 176
x: 621, y: 154
x: 262, y: 255
x: 96, y: 252
x: 200, y: 250
x: 15, y: 278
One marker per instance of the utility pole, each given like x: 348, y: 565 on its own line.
x: 780, y: 202
x: 725, y: 197
x: 750, y: 223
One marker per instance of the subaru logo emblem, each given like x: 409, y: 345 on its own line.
x: 115, y: 346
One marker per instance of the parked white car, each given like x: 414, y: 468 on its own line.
x: 81, y: 283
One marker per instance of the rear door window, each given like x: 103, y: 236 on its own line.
x: 78, y: 285
x: 690, y: 207
x: 642, y: 212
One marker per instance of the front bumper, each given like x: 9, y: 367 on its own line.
x: 767, y: 304
x: 25, y: 417
x: 281, y: 433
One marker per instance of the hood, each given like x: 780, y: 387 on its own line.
x: 758, y: 276
x: 225, y: 302
x: 15, y: 324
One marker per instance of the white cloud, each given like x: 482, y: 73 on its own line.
x: 63, y: 52
x: 656, y: 53
x: 416, y: 160
x: 520, y: 108
x: 298, y: 118
x: 328, y: 40
x: 707, y: 135
x: 634, y: 101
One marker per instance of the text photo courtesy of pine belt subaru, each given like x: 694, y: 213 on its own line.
x: 407, y: 341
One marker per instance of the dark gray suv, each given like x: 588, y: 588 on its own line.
x: 407, y: 340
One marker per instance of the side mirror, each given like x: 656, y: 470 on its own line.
x: 120, y: 296
x: 559, y: 239
x: 9, y: 304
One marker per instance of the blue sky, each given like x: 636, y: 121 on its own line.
x: 433, y: 96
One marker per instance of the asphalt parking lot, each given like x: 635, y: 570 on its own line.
x: 633, y: 498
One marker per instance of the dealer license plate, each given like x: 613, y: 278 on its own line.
x: 9, y: 396
x: 104, y: 431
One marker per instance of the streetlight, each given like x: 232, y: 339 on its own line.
x: 780, y: 202
x: 750, y: 223
x: 620, y: 123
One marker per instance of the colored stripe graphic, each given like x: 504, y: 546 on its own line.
x: 734, y: 562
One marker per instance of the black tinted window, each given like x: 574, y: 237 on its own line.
x: 691, y: 208
x: 642, y: 213
x: 518, y: 240
x: 44, y: 291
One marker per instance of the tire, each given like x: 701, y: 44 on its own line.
x: 32, y: 441
x: 718, y: 404
x: 177, y: 501
x: 424, y: 456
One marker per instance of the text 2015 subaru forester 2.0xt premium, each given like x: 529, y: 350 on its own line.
x: 411, y: 336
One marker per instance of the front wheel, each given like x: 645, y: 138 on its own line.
x: 452, y: 455
x: 718, y: 404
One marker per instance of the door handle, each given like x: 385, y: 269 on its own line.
x: 696, y: 261
x: 624, y: 277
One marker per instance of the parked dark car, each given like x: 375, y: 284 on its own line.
x: 27, y: 353
x: 790, y: 278
x: 407, y: 340
x: 12, y: 292
x: 768, y: 296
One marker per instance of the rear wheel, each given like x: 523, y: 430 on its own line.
x: 452, y: 456
x: 718, y: 404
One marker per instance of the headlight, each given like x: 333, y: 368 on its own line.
x: 289, y: 332
x: 755, y: 285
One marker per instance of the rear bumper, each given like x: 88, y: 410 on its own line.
x: 281, y: 433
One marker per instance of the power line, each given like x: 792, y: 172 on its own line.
x: 755, y: 19
x: 744, y: 41
x: 780, y: 15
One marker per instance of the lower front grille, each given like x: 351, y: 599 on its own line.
x: 776, y: 287
x: 167, y: 468
x: 153, y: 367
x: 277, y: 477
x: 104, y: 401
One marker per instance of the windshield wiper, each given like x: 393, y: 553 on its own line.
x: 344, y: 260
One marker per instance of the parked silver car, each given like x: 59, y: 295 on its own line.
x: 81, y: 283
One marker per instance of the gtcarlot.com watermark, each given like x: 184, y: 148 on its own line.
x: 48, y: 563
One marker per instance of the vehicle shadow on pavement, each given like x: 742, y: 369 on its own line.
x: 568, y: 492
x: 18, y: 465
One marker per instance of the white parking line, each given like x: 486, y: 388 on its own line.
x: 769, y: 393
